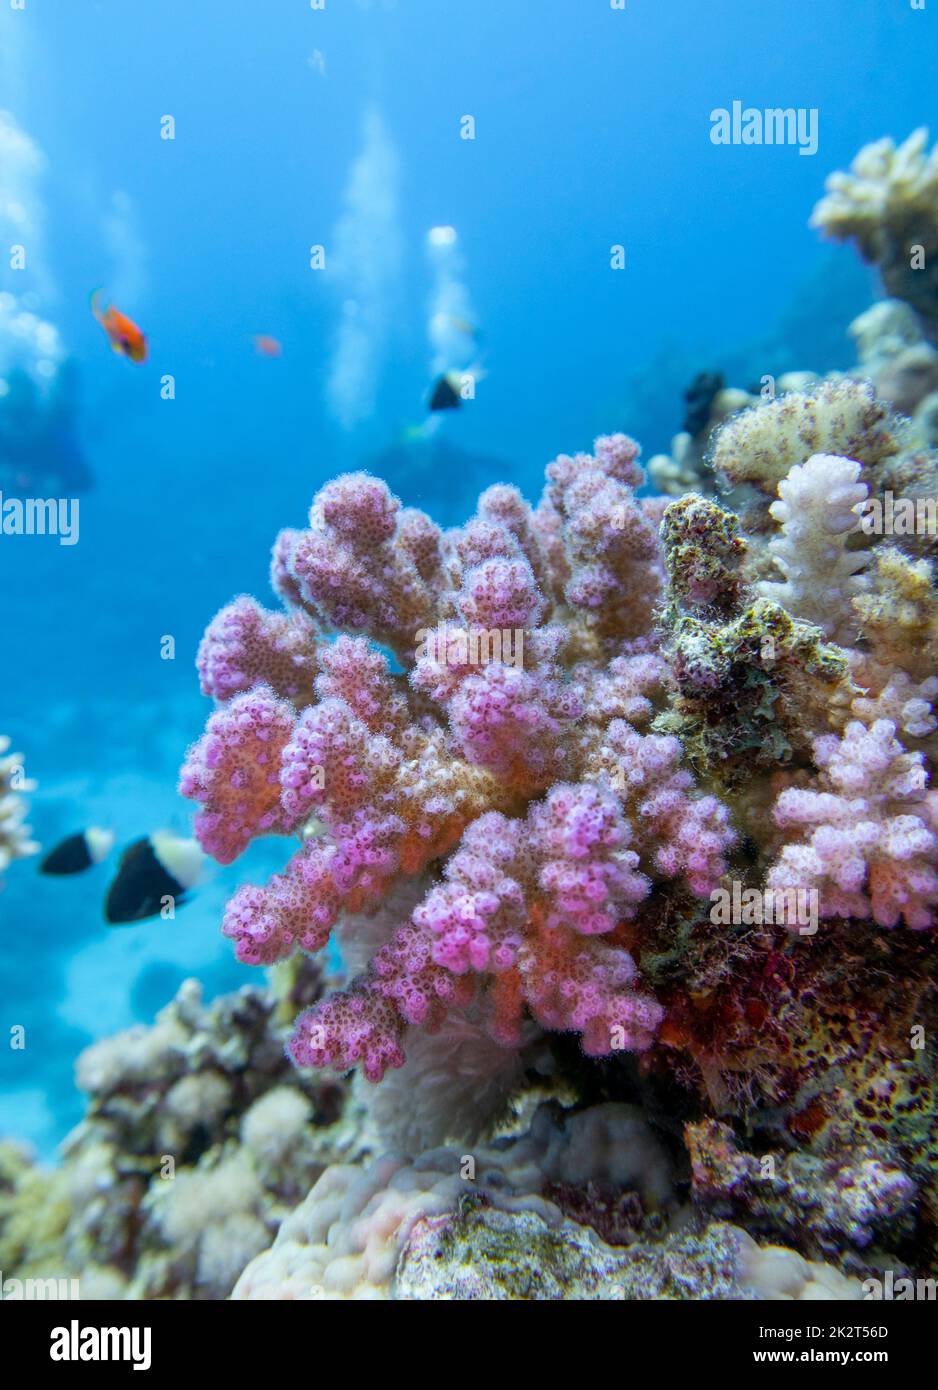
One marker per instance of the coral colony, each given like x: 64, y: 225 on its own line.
x: 621, y: 811
x: 571, y: 845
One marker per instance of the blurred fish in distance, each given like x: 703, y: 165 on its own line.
x: 78, y: 852
x: 266, y: 346
x: 446, y: 392
x: 123, y: 334
x: 153, y: 870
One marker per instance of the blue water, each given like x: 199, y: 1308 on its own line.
x: 591, y: 129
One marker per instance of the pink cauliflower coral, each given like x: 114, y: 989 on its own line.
x: 868, y: 841
x: 493, y: 763
x: 244, y: 645
x: 234, y: 770
x: 518, y: 921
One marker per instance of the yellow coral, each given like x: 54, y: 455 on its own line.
x: 762, y: 445
x: 886, y: 184
x: 900, y: 613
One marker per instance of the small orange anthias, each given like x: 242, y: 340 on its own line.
x: 266, y: 346
x: 123, y: 334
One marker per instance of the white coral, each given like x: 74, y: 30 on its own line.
x: 775, y: 1272
x: 906, y: 703
x: 275, y: 1125
x: 818, y: 508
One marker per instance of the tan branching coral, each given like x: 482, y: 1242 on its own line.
x: 888, y: 205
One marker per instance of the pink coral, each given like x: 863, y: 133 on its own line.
x: 526, y: 646
x: 245, y: 645
x: 297, y: 909
x: 359, y: 1027
x: 589, y: 988
x: 681, y: 832
x: 520, y: 906
x: 476, y: 918
x: 868, y: 843
x: 363, y: 564
x: 234, y: 770
x: 628, y: 687
x: 587, y: 872
x: 512, y: 722
x: 604, y: 544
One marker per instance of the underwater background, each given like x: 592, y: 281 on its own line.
x: 340, y: 127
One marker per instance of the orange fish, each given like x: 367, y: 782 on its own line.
x: 123, y: 334
x: 266, y: 346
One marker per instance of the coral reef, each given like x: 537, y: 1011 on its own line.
x: 763, y: 444
x: 893, y: 354
x: 605, y: 797
x: 886, y: 405
x: 492, y: 1225
x: 824, y: 1204
x: 619, y: 813
x: 199, y: 1136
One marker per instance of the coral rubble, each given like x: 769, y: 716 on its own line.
x: 492, y: 1225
